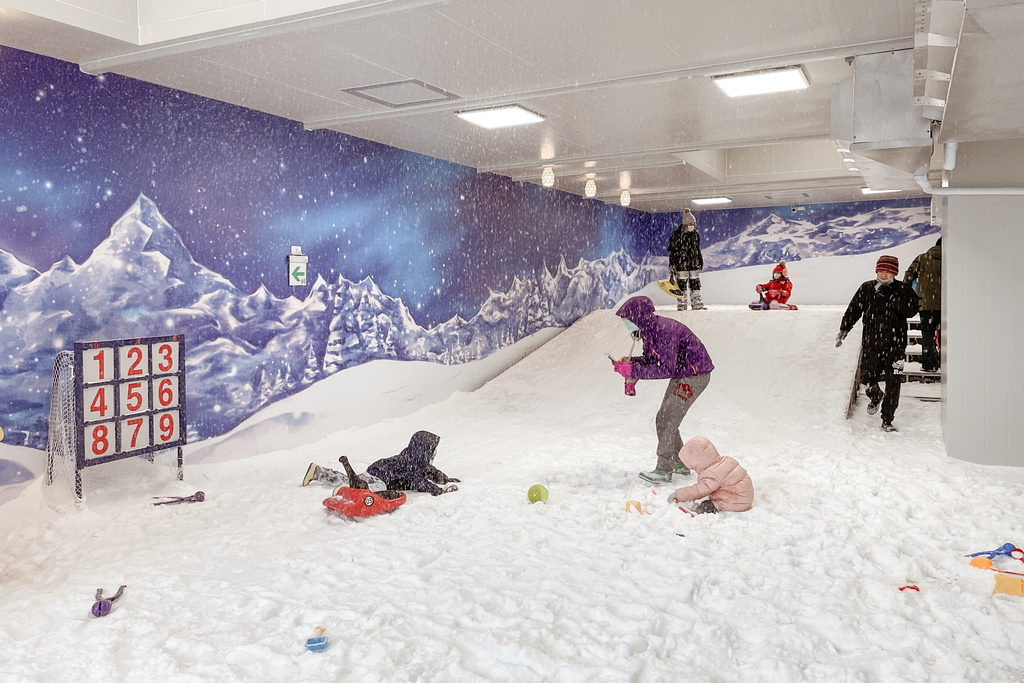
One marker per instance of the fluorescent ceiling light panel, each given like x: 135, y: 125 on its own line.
x: 712, y: 200
x: 762, y: 82
x: 500, y: 117
x: 866, y: 190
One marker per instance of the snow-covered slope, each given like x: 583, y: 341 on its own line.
x: 480, y: 585
x: 247, y: 351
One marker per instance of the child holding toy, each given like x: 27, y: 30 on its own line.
x: 671, y: 351
x: 725, y: 483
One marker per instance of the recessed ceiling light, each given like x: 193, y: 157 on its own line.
x: 866, y: 190
x: 500, y: 117
x: 852, y: 169
x: 842, y: 150
x: 624, y: 198
x: 547, y: 177
x: 712, y: 200
x: 762, y: 82
x: 590, y: 189
x: 849, y: 160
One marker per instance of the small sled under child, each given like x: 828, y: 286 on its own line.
x: 763, y: 305
x: 357, y: 500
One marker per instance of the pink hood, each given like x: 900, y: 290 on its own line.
x: 718, y: 476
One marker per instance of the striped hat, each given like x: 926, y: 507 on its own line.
x: 888, y: 264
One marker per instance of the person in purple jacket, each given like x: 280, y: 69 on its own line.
x: 671, y: 351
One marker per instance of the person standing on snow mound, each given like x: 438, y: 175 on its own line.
x: 884, y: 303
x: 776, y: 292
x: 927, y: 271
x: 671, y: 351
x: 726, y: 484
x: 685, y: 262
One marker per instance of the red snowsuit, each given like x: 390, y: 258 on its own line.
x: 780, y: 288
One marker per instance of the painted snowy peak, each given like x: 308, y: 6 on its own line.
x: 775, y: 237
x: 245, y: 351
x: 13, y: 273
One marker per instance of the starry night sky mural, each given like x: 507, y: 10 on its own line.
x: 128, y: 209
x: 241, y: 187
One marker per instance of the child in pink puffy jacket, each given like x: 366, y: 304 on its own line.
x: 726, y: 484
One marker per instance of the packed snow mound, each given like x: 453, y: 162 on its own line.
x: 481, y: 585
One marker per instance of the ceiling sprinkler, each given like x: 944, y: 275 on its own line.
x: 796, y: 207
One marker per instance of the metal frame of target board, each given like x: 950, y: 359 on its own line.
x: 130, y: 395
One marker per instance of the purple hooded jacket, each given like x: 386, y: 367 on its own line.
x: 670, y: 348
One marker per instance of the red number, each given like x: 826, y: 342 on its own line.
x: 99, y: 402
x: 99, y: 436
x: 168, y: 354
x: 165, y: 392
x: 134, y: 401
x: 135, y: 352
x: 166, y: 426
x: 99, y: 359
x: 137, y: 423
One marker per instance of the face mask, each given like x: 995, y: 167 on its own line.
x: 630, y: 326
x: 777, y: 275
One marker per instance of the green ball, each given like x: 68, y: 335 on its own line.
x: 537, y: 494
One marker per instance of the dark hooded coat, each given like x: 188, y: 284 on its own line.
x: 684, y: 250
x: 670, y: 348
x: 927, y: 270
x: 412, y: 469
x: 884, y: 310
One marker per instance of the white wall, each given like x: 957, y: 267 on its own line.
x: 982, y: 336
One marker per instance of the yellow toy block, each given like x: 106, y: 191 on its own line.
x: 1009, y: 585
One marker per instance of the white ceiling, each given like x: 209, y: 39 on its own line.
x: 624, y: 86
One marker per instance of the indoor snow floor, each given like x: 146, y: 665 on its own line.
x: 480, y: 585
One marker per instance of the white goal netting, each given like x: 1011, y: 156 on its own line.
x: 65, y: 487
x: 59, y: 479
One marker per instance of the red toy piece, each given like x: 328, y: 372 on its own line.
x: 363, y: 502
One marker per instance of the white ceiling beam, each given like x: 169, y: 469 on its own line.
x: 308, y: 22
x: 504, y: 169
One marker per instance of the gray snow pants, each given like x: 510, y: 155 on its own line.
x: 679, y: 396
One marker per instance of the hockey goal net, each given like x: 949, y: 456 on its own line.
x: 66, y: 485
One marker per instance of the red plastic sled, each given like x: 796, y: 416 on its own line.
x: 362, y: 502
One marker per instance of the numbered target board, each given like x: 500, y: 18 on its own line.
x: 131, y: 397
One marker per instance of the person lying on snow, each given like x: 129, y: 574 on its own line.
x: 776, y: 292
x: 410, y: 470
x: 725, y: 483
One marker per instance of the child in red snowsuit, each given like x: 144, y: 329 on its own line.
x: 777, y: 291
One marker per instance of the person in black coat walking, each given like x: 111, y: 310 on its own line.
x: 685, y: 262
x: 884, y: 303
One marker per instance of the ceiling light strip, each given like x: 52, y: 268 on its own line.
x: 821, y: 54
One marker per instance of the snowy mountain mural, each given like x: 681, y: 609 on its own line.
x: 774, y: 237
x: 245, y: 351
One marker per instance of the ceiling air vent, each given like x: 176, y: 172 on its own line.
x: 787, y: 196
x: 402, y: 93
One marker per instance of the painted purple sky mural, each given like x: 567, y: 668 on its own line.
x: 241, y: 187
x: 147, y: 211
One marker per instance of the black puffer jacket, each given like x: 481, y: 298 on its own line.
x: 411, y: 470
x: 884, y: 310
x: 684, y: 250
